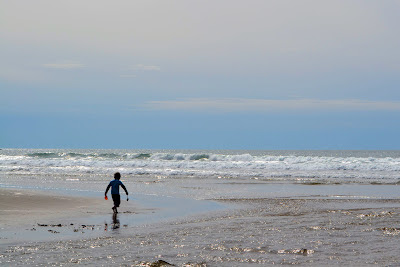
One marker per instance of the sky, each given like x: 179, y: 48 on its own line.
x: 185, y: 74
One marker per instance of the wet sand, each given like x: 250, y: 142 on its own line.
x: 28, y: 216
x: 264, y: 231
x: 26, y: 207
x: 35, y: 216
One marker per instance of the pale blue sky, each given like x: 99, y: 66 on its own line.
x: 200, y: 74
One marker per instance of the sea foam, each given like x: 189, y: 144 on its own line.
x: 246, y: 165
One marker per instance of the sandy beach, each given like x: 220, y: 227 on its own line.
x: 22, y: 207
x: 34, y: 216
x: 248, y: 231
x: 28, y: 216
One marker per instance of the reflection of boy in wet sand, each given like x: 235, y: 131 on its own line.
x: 114, y: 184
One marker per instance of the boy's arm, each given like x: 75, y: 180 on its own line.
x: 123, y: 186
x: 108, y: 187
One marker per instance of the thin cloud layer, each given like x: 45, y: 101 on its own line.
x: 127, y: 75
x: 146, y: 67
x: 64, y: 65
x: 262, y: 105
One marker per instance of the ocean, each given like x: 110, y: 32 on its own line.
x: 77, y: 171
x: 360, y: 167
x: 222, y: 207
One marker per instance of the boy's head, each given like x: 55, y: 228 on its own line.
x: 117, y: 175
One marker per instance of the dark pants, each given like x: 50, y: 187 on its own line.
x: 116, y: 199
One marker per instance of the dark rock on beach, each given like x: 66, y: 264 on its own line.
x: 160, y: 263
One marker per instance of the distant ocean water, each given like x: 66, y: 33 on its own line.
x: 323, y: 167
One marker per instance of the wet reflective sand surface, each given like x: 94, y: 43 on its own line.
x: 254, y: 231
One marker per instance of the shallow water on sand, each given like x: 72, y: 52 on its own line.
x: 93, y: 222
x: 257, y: 231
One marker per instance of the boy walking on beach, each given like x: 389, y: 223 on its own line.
x: 114, y: 184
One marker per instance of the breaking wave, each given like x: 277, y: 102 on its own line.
x: 358, y: 168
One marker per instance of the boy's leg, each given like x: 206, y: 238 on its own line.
x: 117, y: 200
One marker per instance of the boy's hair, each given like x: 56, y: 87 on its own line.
x: 117, y: 175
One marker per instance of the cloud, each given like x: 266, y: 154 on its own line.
x: 268, y: 105
x: 138, y: 68
x: 146, y: 67
x: 127, y: 75
x: 64, y: 65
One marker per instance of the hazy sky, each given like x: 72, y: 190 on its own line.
x: 221, y: 74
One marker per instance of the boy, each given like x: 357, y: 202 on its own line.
x: 115, y: 191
